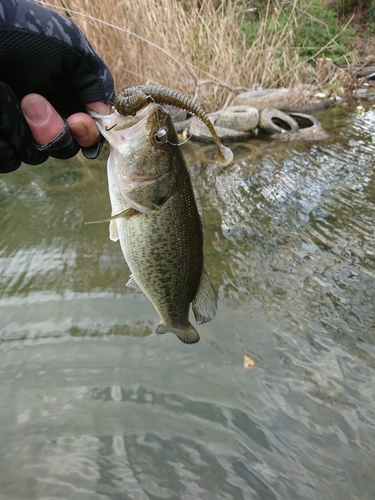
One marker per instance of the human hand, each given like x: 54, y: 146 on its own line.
x: 47, y: 82
x: 46, y: 124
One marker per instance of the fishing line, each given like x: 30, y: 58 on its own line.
x: 119, y: 28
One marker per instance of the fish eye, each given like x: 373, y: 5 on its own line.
x: 161, y: 136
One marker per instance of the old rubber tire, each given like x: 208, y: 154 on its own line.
x: 177, y: 114
x: 304, y: 120
x: 238, y: 118
x: 182, y: 125
x: 199, y: 132
x: 262, y: 99
x: 273, y: 121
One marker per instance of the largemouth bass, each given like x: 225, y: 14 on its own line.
x: 156, y: 220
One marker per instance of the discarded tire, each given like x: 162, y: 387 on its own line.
x: 177, y: 114
x: 273, y: 121
x: 199, y: 132
x: 182, y: 125
x: 311, y: 107
x: 238, y: 118
x: 304, y: 120
x: 262, y: 99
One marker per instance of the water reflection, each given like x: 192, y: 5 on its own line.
x: 95, y: 406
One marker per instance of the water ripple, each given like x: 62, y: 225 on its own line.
x: 95, y: 406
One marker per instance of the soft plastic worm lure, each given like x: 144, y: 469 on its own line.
x: 131, y: 100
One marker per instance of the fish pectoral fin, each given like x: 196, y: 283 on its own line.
x: 125, y: 215
x: 133, y: 284
x: 113, y: 232
x: 205, y: 300
x: 188, y: 335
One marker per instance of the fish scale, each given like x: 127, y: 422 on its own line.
x: 155, y: 237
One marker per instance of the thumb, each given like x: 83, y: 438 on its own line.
x: 44, y: 121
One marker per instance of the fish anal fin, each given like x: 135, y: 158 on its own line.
x: 188, y: 335
x: 205, y: 300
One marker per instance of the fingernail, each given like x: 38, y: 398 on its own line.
x: 35, y: 110
x: 100, y: 107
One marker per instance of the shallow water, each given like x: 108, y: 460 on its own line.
x: 94, y: 405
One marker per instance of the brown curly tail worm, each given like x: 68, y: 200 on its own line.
x: 131, y: 100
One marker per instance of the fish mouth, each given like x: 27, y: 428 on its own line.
x: 125, y: 128
x: 131, y: 125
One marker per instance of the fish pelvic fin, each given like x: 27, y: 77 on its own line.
x: 205, y: 300
x: 188, y: 335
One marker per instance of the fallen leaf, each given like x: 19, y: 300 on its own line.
x: 248, y: 362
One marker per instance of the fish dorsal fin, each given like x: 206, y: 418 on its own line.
x: 205, y: 300
x: 133, y: 284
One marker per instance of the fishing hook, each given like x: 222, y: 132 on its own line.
x: 162, y: 133
x: 180, y: 143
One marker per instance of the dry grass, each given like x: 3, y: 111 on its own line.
x: 194, y: 47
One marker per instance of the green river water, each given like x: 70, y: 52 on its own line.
x: 95, y: 406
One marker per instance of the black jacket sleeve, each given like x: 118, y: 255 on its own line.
x: 45, y: 53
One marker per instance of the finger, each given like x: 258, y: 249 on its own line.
x: 100, y: 107
x: 51, y: 133
x: 44, y: 121
x: 104, y: 109
x: 83, y: 128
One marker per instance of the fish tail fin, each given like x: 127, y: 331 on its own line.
x: 188, y: 335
